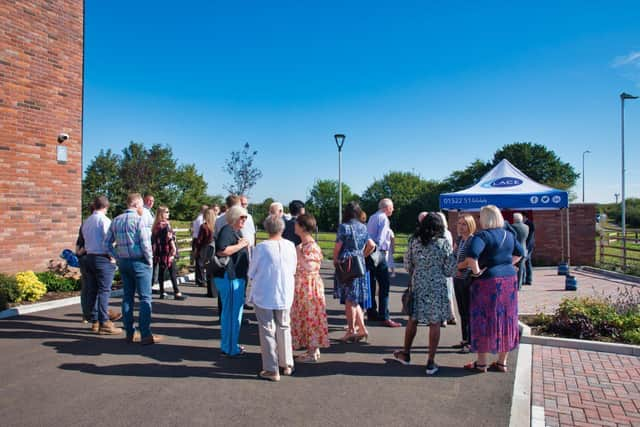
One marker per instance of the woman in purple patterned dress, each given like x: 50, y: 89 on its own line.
x: 494, y: 294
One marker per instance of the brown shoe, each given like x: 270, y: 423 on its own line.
x: 107, y: 328
x: 151, y: 339
x: 95, y: 327
x: 134, y: 338
x: 114, y: 315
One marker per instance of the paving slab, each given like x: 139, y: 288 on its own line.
x: 57, y: 373
x: 548, y: 289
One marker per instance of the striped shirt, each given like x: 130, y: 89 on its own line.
x: 131, y: 236
x: 463, y: 247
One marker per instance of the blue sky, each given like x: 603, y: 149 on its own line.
x: 417, y: 86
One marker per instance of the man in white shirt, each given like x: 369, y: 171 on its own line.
x: 99, y: 267
x: 379, y: 231
x: 195, y: 230
x: 147, y: 213
x: 249, y: 229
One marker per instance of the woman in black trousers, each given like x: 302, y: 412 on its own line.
x: 466, y: 226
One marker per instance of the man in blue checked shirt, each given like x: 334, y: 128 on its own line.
x: 132, y: 250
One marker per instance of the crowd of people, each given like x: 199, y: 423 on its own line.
x: 280, y: 277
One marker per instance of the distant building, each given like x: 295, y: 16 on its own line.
x: 41, y: 99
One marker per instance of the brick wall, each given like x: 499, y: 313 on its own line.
x: 41, y: 72
x: 549, y: 245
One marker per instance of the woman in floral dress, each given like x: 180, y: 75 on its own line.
x: 309, y: 327
x: 353, y: 240
x: 429, y: 260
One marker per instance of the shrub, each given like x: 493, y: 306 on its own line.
x: 8, y: 290
x: 605, y: 318
x: 56, y: 283
x: 29, y: 287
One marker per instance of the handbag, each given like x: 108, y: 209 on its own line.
x: 375, y: 257
x: 407, y: 299
x: 213, y: 263
x: 352, y: 267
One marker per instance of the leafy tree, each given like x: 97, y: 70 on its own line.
x: 461, y: 179
x: 240, y: 166
x: 323, y: 202
x: 404, y: 188
x: 102, y: 177
x: 150, y: 171
x: 191, y: 190
x: 144, y: 170
x: 538, y: 163
x: 534, y: 160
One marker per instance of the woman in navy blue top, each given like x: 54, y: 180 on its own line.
x: 494, y: 294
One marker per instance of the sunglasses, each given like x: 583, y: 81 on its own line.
x: 244, y: 217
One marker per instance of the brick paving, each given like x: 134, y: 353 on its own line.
x: 547, y: 291
x: 586, y: 388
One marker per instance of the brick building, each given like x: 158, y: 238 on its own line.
x: 549, y: 245
x: 41, y: 89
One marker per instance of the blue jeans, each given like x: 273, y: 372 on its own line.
x: 381, y: 274
x: 528, y: 270
x: 231, y: 294
x: 99, y: 272
x: 84, y: 291
x: 136, y: 277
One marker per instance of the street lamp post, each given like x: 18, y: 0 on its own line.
x: 339, y: 143
x: 583, y: 153
x: 624, y: 96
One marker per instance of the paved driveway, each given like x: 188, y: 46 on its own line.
x: 54, y: 372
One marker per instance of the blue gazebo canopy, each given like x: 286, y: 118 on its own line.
x: 507, y: 188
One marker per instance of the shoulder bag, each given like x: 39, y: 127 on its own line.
x: 407, y: 299
x: 352, y: 267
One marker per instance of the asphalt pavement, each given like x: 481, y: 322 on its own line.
x: 55, y: 372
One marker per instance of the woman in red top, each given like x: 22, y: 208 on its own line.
x: 165, y: 252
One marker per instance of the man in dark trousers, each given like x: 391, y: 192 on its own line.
x: 522, y: 231
x: 531, y: 243
x: 296, y: 208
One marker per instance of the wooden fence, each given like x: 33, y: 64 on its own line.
x: 618, y: 251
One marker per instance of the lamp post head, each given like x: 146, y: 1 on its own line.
x: 625, y: 95
x: 586, y: 152
x: 339, y: 140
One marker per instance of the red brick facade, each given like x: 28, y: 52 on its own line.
x: 41, y: 84
x: 549, y: 245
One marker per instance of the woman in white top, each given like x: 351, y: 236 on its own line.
x: 272, y: 274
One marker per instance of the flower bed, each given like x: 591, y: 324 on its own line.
x: 611, y: 319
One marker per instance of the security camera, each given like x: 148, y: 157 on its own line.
x: 63, y: 137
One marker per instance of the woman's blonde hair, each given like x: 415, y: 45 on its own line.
x: 161, y: 209
x: 491, y: 217
x: 470, y: 221
x: 210, y: 219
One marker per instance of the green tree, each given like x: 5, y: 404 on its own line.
x: 461, y: 179
x: 404, y: 188
x: 534, y: 160
x: 102, y: 177
x: 244, y: 174
x: 323, y: 202
x: 538, y: 163
x: 143, y: 170
x: 192, y: 192
x: 150, y: 171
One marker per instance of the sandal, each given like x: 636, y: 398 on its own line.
x: 269, y: 376
x: 402, y: 357
x: 497, y: 366
x: 307, y: 358
x: 288, y: 371
x: 474, y: 366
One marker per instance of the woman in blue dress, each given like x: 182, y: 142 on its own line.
x: 353, y: 240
